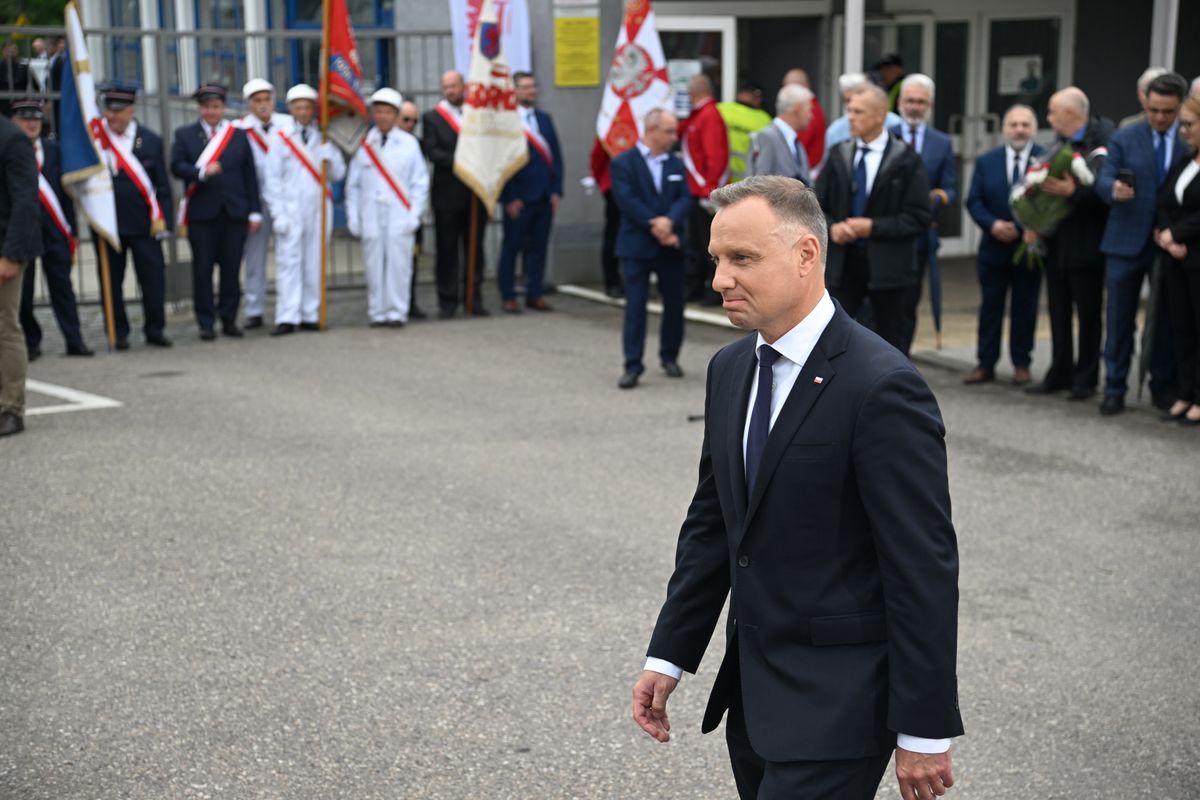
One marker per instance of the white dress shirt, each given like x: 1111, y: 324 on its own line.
x: 1022, y: 158
x: 530, y: 117
x: 916, y: 142
x: 129, y: 137
x: 874, y: 156
x: 794, y: 348
x: 789, y: 136
x: 654, y: 163
x: 1167, y: 139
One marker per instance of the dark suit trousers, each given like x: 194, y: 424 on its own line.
x: 151, y: 275
x: 1124, y: 278
x: 700, y: 267
x: 1183, y: 298
x: 995, y: 280
x: 529, y: 233
x: 852, y: 779
x: 891, y: 306
x: 218, y: 241
x: 1079, y: 290
x: 56, y: 266
x: 452, y: 229
x: 608, y: 254
x: 669, y: 269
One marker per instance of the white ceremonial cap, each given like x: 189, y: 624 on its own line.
x: 256, y: 85
x: 302, y: 91
x: 388, y: 97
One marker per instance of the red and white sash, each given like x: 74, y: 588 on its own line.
x: 305, y: 160
x: 449, y: 113
x: 247, y: 123
x: 539, y: 144
x: 50, y: 202
x: 212, y: 152
x: 126, y: 162
x: 387, y: 175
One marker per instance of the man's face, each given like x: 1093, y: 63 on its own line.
x: 1161, y: 110
x: 915, y: 104
x: 408, y: 117
x: 891, y: 74
x: 803, y: 115
x: 760, y: 267
x: 384, y: 116
x: 662, y: 137
x: 1019, y: 128
x: 261, y: 104
x: 32, y: 126
x: 302, y: 111
x: 9, y: 51
x: 453, y: 88
x: 527, y: 92
x: 119, y: 118
x: 866, y: 115
x: 212, y: 111
x: 1064, y: 118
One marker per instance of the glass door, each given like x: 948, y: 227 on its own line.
x: 699, y: 44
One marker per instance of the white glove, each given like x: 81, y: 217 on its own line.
x: 355, y: 228
x: 329, y: 151
x: 279, y: 226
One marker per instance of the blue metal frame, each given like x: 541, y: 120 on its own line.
x: 122, y: 46
x: 384, y: 20
x: 222, y: 56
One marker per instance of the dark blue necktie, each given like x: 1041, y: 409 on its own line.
x: 1016, y: 173
x: 1161, y: 158
x: 859, y: 207
x: 760, y: 417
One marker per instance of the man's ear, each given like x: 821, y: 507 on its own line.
x: 807, y: 252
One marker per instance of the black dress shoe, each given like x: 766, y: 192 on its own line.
x: 1111, y: 405
x: 615, y: 292
x: 395, y: 323
x: 208, y: 335
x: 445, y: 313
x: 80, y: 349
x: 283, y: 329
x: 232, y: 331
x: 377, y: 323
x: 253, y: 323
x: 311, y: 327
x: 122, y: 344
x: 1081, y: 394
x: 672, y: 369
x: 158, y: 341
x: 480, y: 311
x: 10, y: 424
x: 32, y: 353
x: 628, y: 380
x: 416, y: 313
x: 1044, y: 388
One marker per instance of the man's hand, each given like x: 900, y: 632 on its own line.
x: 923, y: 776
x: 650, y: 695
x: 1059, y: 187
x: 1177, y: 251
x: 1004, y: 230
x: 673, y: 241
x: 8, y: 269
x: 1165, y: 239
x: 861, y: 226
x: 1029, y: 237
x: 661, y: 227
x: 253, y: 226
x: 213, y: 168
x: 841, y: 233
x: 513, y: 208
x: 1123, y: 192
x: 554, y: 201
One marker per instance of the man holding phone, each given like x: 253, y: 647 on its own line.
x: 1139, y: 158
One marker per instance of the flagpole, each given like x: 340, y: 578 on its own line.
x: 110, y: 326
x: 327, y: 8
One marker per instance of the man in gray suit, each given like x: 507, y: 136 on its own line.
x: 778, y: 149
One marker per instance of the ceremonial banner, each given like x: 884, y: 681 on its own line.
x: 348, y: 121
x: 637, y: 81
x: 491, y: 143
x: 85, y: 175
x: 513, y: 18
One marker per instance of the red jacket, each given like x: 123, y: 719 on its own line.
x: 600, y: 162
x: 813, y: 137
x: 705, y: 148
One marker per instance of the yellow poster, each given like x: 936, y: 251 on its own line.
x: 577, y: 51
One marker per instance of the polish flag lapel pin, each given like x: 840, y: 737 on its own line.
x: 818, y: 380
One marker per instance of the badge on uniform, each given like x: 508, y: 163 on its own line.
x: 818, y: 380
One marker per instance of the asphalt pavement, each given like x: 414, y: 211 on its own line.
x: 425, y: 563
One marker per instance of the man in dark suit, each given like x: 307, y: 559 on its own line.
x: 20, y: 243
x: 530, y: 200
x: 451, y: 200
x: 937, y: 154
x: 135, y: 156
x: 58, y: 239
x: 823, y: 512
x: 1145, y: 152
x: 650, y: 187
x: 876, y: 199
x: 996, y: 173
x: 221, y: 205
x: 1074, y: 263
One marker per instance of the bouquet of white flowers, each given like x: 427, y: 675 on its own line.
x: 1039, y: 211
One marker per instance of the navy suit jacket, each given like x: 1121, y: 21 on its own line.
x: 634, y: 192
x: 133, y: 215
x: 235, y: 190
x: 52, y: 170
x: 536, y: 181
x: 840, y: 565
x: 1127, y: 232
x: 987, y: 201
x: 937, y: 154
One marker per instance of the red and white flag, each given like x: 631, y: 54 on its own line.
x: 491, y: 140
x: 343, y: 109
x: 637, y: 82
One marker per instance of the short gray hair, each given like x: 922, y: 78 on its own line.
x: 1149, y: 75
x: 851, y: 80
x: 919, y: 79
x: 793, y: 203
x: 790, y: 96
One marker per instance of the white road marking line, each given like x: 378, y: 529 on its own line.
x: 654, y: 307
x: 76, y: 399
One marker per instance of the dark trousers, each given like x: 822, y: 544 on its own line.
x: 529, y: 233
x: 1079, y: 290
x: 216, y: 242
x: 151, y: 276
x: 1124, y: 278
x: 890, y: 306
x: 608, y: 253
x: 669, y: 268
x: 995, y: 281
x: 1183, y: 301
x: 756, y: 779
x: 452, y: 230
x: 56, y: 266
x: 700, y: 267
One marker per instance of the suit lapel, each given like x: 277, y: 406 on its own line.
x: 890, y: 154
x: 739, y: 398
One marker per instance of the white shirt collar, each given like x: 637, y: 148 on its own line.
x: 647, y: 154
x: 787, y: 130
x: 876, y: 145
x: 797, y: 344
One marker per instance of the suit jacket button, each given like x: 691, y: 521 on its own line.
x: 743, y: 561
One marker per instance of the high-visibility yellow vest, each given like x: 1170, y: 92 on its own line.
x: 740, y: 121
